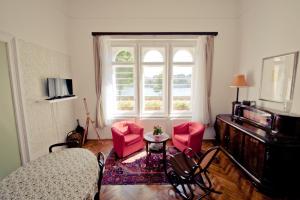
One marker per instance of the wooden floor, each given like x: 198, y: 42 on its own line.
x: 225, y: 176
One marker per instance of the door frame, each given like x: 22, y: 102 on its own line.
x: 17, y: 94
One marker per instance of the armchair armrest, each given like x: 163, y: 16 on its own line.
x: 195, y: 139
x: 69, y: 144
x: 117, y: 135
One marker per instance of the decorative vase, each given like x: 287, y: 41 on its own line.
x: 157, y: 137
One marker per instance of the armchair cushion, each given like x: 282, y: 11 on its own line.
x: 182, y: 138
x: 131, y: 139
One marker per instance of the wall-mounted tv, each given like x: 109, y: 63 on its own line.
x: 59, y: 88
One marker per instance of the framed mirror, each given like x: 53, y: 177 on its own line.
x: 278, y: 77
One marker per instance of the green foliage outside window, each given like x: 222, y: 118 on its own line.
x: 181, y: 105
x: 156, y: 82
x: 153, y: 105
x: 124, y: 57
x: 125, y: 105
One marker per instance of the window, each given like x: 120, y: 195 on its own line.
x: 124, y: 80
x: 153, y: 80
x: 182, y: 65
x: 153, y: 67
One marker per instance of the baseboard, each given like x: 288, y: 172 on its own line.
x: 204, y: 139
x: 209, y: 139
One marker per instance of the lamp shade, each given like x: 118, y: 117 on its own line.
x: 239, y: 80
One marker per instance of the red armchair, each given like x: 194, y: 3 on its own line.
x: 188, y: 134
x: 127, y: 138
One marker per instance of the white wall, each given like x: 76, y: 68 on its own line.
x: 41, y: 22
x: 268, y: 28
x: 47, y: 123
x: 41, y: 28
x: 154, y: 15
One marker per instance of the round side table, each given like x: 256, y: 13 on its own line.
x: 156, y: 144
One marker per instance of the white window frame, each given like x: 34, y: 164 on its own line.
x: 118, y: 113
x: 168, y: 64
x: 164, y: 112
x: 174, y: 113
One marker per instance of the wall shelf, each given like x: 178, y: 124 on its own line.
x: 61, y: 99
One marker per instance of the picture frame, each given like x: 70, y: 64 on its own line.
x: 278, y: 77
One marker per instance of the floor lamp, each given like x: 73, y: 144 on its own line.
x: 239, y: 81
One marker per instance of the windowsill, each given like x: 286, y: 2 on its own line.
x: 152, y: 117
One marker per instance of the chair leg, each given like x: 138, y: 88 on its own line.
x: 116, y: 156
x: 147, y: 161
x: 176, y: 182
x: 207, y: 189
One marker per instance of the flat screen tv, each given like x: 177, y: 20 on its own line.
x: 59, y: 88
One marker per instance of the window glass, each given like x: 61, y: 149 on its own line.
x: 124, y: 87
x: 153, y: 54
x: 153, y: 88
x: 181, y: 88
x: 182, y: 55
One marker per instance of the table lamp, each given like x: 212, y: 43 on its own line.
x: 238, y: 82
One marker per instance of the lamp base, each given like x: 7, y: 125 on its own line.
x: 234, y: 105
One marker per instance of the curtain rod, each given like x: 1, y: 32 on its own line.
x: 154, y: 33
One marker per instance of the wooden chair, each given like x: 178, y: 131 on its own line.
x: 70, y: 144
x: 100, y: 158
x: 184, y: 170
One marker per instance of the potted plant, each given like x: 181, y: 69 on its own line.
x: 157, y: 131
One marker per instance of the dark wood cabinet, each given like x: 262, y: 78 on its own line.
x: 270, y: 159
x: 222, y: 139
x: 235, y: 140
x: 254, y: 155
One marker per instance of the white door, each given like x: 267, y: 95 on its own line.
x: 10, y: 158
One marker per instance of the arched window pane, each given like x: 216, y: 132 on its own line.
x: 183, y: 55
x: 153, y: 55
x: 123, y: 55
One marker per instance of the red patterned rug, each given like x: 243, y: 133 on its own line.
x: 133, y: 170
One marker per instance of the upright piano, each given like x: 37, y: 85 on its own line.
x: 265, y: 144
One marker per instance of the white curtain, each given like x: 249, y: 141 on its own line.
x: 103, y: 80
x: 98, y: 83
x: 202, y: 80
x: 108, y: 100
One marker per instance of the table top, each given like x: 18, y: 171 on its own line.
x: 65, y: 174
x: 149, y: 137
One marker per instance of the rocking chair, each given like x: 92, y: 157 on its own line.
x: 184, y: 170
